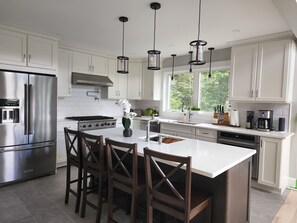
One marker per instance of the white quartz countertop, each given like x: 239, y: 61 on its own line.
x: 208, y: 159
x: 272, y: 134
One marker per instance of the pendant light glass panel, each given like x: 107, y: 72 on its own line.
x: 198, y: 47
x: 153, y: 60
x: 123, y: 65
x: 123, y: 61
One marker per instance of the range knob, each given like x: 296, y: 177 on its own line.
x: 102, y: 124
x: 89, y: 125
x: 97, y: 125
x: 108, y: 123
x: 84, y: 126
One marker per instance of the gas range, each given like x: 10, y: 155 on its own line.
x: 93, y: 122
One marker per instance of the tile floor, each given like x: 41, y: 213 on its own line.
x: 42, y: 201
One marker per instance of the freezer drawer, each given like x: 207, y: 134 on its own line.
x: 21, y: 163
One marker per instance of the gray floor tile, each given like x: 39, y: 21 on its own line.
x: 42, y: 201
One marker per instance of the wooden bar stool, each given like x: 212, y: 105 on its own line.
x: 93, y: 157
x: 73, y: 152
x: 122, y: 174
x: 173, y: 194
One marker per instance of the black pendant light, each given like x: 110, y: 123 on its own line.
x: 190, y: 53
x: 172, y: 74
x: 154, y: 55
x: 123, y: 61
x: 210, y: 58
x: 197, y: 46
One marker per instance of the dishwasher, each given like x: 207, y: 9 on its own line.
x: 245, y: 141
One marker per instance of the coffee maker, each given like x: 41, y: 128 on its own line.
x: 265, y: 120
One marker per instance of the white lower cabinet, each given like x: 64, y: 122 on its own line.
x: 208, y: 135
x: 178, y: 130
x: 274, y: 162
x: 61, y: 148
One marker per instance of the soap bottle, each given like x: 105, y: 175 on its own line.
x: 184, y: 117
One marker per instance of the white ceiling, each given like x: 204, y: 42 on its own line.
x: 94, y: 25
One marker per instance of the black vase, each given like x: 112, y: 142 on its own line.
x: 127, y: 132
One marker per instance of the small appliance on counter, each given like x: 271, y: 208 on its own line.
x: 249, y: 120
x: 138, y: 112
x: 265, y: 120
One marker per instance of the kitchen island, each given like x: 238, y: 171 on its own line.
x: 223, y: 170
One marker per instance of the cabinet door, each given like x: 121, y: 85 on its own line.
x: 243, y: 72
x: 112, y: 91
x: 99, y: 65
x: 122, y: 85
x: 151, y: 83
x: 272, y: 71
x: 134, y: 81
x: 61, y: 148
x: 42, y: 53
x: 269, y: 162
x: 64, y: 73
x: 13, y: 47
x: 81, y: 63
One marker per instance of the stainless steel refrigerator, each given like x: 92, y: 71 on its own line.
x: 28, y: 120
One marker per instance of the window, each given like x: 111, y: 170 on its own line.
x: 181, y: 91
x: 213, y: 91
x: 197, y: 89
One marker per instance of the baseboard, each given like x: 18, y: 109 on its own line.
x: 292, y: 183
x: 255, y: 184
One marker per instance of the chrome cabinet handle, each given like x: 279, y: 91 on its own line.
x: 29, y: 58
x: 252, y: 93
x: 257, y: 93
x: 93, y: 68
x: 24, y: 57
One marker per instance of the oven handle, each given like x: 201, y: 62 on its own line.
x: 237, y: 143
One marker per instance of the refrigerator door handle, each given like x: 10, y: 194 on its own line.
x: 26, y: 112
x: 30, y: 124
x: 22, y: 148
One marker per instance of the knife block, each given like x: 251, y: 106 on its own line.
x: 222, y: 119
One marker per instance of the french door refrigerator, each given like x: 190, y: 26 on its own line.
x: 28, y: 118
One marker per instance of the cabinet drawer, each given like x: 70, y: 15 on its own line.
x: 206, y: 133
x: 178, y: 128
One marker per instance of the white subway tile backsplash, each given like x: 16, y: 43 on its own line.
x: 79, y: 104
x: 279, y: 111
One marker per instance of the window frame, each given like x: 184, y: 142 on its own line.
x: 221, y: 65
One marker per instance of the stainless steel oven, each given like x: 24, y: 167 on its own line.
x: 245, y: 141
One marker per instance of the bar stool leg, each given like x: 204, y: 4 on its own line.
x: 84, y: 199
x: 67, y: 184
x: 78, y: 198
x: 110, y: 202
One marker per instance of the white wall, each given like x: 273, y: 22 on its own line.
x: 80, y: 104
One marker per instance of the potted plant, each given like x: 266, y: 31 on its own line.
x: 127, y: 130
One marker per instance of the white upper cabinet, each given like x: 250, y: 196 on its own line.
x: 119, y: 89
x: 134, y: 81
x: 151, y: 83
x: 13, y: 47
x: 263, y: 71
x: 89, y: 64
x: 64, y: 73
x: 28, y: 51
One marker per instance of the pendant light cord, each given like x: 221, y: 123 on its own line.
x: 199, y: 17
x: 155, y: 27
x: 123, y: 39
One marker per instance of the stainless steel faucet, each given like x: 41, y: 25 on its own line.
x: 147, y: 138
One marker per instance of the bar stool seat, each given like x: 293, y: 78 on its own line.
x: 173, y: 193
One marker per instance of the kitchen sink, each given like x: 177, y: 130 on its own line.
x: 165, y: 139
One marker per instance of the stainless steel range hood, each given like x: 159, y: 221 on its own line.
x: 88, y: 79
